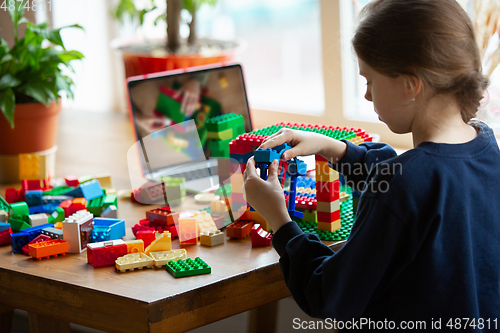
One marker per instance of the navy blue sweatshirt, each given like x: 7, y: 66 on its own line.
x: 425, y: 244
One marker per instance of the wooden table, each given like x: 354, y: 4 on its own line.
x: 66, y: 289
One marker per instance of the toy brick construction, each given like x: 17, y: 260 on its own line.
x: 188, y: 267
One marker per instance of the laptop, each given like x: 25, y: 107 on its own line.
x: 169, y: 110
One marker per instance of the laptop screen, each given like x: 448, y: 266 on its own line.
x: 170, y: 99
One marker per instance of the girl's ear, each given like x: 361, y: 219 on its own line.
x: 413, y: 86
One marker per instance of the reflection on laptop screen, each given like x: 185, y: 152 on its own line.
x: 198, y: 95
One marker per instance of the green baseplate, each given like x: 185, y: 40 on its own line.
x: 346, y: 220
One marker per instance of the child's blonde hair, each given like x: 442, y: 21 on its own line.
x: 431, y: 39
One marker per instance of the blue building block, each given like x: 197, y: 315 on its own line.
x: 33, y: 198
x: 55, y: 198
x: 19, y: 239
x: 266, y: 155
x: 282, y: 148
x: 75, y: 193
x: 241, y: 158
x: 106, y: 229
x: 47, y: 208
x: 4, y: 226
x: 91, y: 190
x: 297, y: 168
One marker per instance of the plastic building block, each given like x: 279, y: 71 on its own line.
x: 20, y: 239
x: 65, y: 205
x: 266, y: 156
x: 95, y: 206
x: 147, y: 236
x: 57, y: 215
x: 4, y: 216
x: 91, y: 189
x: 163, y: 242
x: 225, y: 121
x: 33, y: 198
x: 18, y: 225
x: 328, y: 207
x: 106, y: 229
x: 109, y: 199
x: 49, y: 248
x: 58, y: 225
x: 188, y: 231
x: 19, y: 211
x: 163, y: 216
x: 136, y: 245
x: 110, y: 212
x: 55, y: 199
x: 188, y: 267
x: 4, y: 205
x: 205, y: 222
x: 240, y: 159
x: 328, y: 216
x: 38, y: 219
x: 329, y: 226
x: 75, y: 192
x: 5, y: 237
x: 105, y: 253
x: 77, y: 204
x: 162, y: 257
x: 31, y: 184
x: 84, y: 179
x: 260, y: 220
x: 132, y: 261
x: 105, y: 181
x: 77, y: 230
x: 239, y: 229
x: 212, y: 238
x: 175, y: 189
x: 260, y: 237
x: 71, y: 181
x: 37, y: 239
x: 4, y: 226
x: 11, y: 195
x: 53, y: 232
x: 327, y: 191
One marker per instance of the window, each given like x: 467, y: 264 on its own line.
x: 282, y: 59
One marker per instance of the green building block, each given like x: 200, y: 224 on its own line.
x: 170, y: 107
x: 95, y: 206
x: 4, y: 205
x: 58, y: 190
x: 224, y: 190
x: 84, y: 179
x: 219, y: 145
x: 227, y: 134
x: 109, y: 199
x: 188, y: 267
x: 225, y: 121
x: 175, y: 189
x: 57, y: 215
x: 18, y: 225
x: 20, y: 211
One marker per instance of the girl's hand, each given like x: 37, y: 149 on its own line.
x: 266, y: 197
x: 191, y: 91
x: 306, y: 143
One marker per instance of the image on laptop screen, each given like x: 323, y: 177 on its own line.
x: 171, y: 98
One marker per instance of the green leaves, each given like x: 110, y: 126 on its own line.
x: 31, y: 73
x: 16, y: 11
x: 7, y: 103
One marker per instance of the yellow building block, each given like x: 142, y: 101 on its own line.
x: 328, y: 207
x: 322, y: 168
x: 105, y: 181
x: 260, y: 220
x: 136, y: 245
x: 218, y: 207
x: 163, y: 242
x: 132, y: 261
x: 205, y: 222
x: 161, y: 257
x: 327, y: 226
x: 212, y: 238
x: 328, y: 178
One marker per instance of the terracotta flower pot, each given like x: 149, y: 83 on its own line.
x: 35, y: 129
x: 141, y: 62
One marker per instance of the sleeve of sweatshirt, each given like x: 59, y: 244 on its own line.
x: 359, y: 160
x: 340, y: 285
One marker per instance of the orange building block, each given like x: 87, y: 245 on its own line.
x: 136, y: 245
x: 188, y: 231
x: 48, y: 248
x: 239, y: 229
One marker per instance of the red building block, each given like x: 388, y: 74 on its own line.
x: 327, y: 191
x: 30, y: 185
x: 105, y: 253
x: 305, y: 203
x: 328, y: 217
x: 147, y: 236
x: 260, y: 237
x: 5, y: 238
x: 71, y: 181
x: 239, y: 229
x: 76, y: 205
x: 38, y: 239
x: 66, y: 204
x: 163, y: 216
x: 11, y: 195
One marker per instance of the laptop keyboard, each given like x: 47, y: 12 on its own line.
x: 197, y: 174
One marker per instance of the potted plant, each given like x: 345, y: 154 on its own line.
x: 151, y: 56
x: 31, y: 80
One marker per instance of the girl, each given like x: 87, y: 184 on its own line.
x: 424, y: 251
